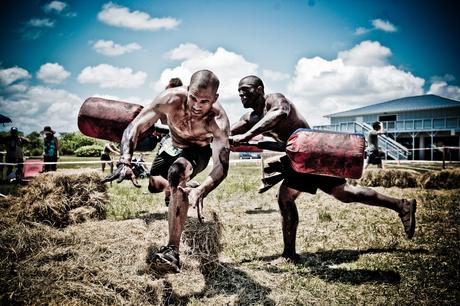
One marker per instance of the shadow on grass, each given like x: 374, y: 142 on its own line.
x: 321, y: 264
x: 220, y: 278
x: 150, y: 217
x: 259, y: 211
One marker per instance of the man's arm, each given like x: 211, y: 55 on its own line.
x: 279, y: 111
x: 243, y: 125
x: 220, y: 155
x: 146, y: 118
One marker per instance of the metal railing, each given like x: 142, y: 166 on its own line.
x: 391, y: 147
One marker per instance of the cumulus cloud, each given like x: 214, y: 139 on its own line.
x: 40, y: 23
x: 11, y: 75
x: 357, y: 77
x: 52, y: 73
x: 228, y: 66
x: 56, y: 6
x: 38, y: 106
x: 120, y: 16
x: 384, y: 25
x: 442, y: 88
x: 367, y: 53
x: 107, y: 76
x: 377, y: 24
x: 108, y: 47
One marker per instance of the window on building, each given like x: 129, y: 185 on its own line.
x: 387, y: 118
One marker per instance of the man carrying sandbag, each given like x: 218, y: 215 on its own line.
x: 275, y: 116
x: 196, y: 120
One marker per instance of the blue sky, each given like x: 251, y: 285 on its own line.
x: 325, y: 56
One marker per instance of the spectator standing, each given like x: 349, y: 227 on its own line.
x: 50, y: 149
x: 14, y: 152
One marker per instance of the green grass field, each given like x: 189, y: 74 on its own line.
x: 351, y: 253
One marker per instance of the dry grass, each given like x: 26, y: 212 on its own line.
x: 350, y: 253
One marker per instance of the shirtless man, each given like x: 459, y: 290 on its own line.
x: 275, y: 116
x: 195, y: 121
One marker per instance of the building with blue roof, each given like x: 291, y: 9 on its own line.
x: 417, y: 126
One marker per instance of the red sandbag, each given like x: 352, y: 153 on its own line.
x: 247, y: 147
x: 106, y: 119
x: 326, y: 153
x: 32, y: 167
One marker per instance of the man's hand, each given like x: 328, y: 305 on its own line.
x: 235, y: 139
x: 195, y: 198
x: 122, y: 172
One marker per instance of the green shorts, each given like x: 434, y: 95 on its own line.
x: 168, y: 154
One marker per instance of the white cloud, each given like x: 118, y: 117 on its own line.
x: 108, y: 47
x: 10, y: 75
x: 186, y: 51
x: 361, y: 31
x: 119, y: 16
x: 377, y: 24
x: 108, y: 76
x: 384, y: 25
x: 52, y: 73
x: 357, y: 77
x: 367, y: 53
x: 274, y: 75
x: 228, y: 66
x: 442, y: 88
x: 40, y: 23
x: 57, y: 6
x: 39, y: 106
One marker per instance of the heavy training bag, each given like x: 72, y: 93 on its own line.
x: 107, y: 119
x: 326, y: 153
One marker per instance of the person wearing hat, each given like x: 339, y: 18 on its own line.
x: 14, y: 154
x: 50, y: 149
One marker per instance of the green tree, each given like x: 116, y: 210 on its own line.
x: 35, y: 146
x: 70, y: 142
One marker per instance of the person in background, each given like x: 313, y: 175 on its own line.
x: 50, y: 149
x: 174, y: 82
x: 105, y: 155
x: 374, y: 154
x: 14, y: 153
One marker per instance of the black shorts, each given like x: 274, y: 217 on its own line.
x: 375, y: 158
x: 105, y: 157
x: 309, y: 182
x: 197, y: 156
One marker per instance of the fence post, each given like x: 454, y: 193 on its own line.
x: 443, y: 157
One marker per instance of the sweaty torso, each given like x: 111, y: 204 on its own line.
x: 187, y: 130
x: 288, y: 125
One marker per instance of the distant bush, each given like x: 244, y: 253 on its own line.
x: 89, y: 151
x: 70, y: 142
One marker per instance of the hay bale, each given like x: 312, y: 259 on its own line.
x: 50, y: 197
x: 445, y: 179
x: 202, y: 242
x: 82, y: 214
x: 90, y: 264
x: 389, y: 178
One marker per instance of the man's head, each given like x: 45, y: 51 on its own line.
x: 174, y: 82
x: 47, y: 131
x: 376, y: 125
x: 250, y: 89
x: 14, y: 131
x: 202, y: 92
